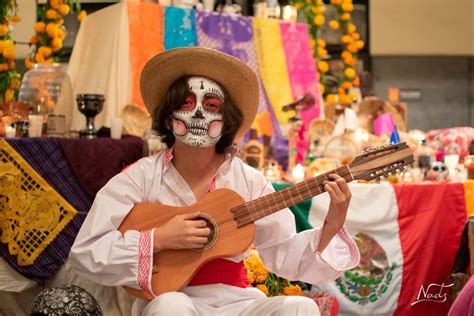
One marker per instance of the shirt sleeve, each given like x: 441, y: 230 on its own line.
x: 293, y: 255
x: 100, y: 252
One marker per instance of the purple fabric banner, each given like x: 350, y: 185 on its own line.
x: 232, y: 35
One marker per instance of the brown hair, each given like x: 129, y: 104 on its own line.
x: 175, y: 98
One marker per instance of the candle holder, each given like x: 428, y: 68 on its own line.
x: 90, y: 105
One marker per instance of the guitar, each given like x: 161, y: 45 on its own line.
x: 231, y: 219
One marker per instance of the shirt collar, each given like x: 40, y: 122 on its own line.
x: 230, y: 152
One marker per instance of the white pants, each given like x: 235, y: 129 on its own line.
x: 219, y: 299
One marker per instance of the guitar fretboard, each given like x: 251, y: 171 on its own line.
x: 249, y: 212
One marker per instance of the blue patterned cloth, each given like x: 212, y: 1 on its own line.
x: 46, y: 156
x: 180, y: 28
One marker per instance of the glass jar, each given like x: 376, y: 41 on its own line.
x: 469, y: 164
x: 15, y: 115
x: 47, y: 89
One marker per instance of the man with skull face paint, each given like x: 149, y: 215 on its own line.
x: 202, y: 100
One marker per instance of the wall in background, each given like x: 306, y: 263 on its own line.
x: 422, y: 27
x: 446, y: 85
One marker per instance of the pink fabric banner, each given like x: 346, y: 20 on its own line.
x: 302, y: 74
x: 301, y: 66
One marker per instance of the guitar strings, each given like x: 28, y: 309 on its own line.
x: 244, y: 216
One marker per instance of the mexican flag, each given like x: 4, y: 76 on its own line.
x: 407, y: 236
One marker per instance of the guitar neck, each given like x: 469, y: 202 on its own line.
x: 250, y: 212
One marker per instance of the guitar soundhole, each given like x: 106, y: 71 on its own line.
x: 212, y: 238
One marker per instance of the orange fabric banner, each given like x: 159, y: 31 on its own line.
x: 145, y: 24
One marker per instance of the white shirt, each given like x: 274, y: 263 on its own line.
x: 101, y: 253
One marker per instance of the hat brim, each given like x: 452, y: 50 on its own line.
x: 235, y: 76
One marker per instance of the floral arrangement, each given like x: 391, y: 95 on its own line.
x: 9, y: 77
x: 314, y: 13
x: 50, y: 30
x: 267, y: 282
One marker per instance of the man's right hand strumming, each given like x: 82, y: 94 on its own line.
x: 181, y: 232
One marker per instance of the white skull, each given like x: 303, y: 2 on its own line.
x: 437, y: 172
x: 199, y: 122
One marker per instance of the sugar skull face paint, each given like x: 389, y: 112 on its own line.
x: 199, y: 121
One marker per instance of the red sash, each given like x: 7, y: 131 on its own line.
x: 222, y: 271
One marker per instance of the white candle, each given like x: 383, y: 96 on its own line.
x: 9, y: 131
x: 298, y: 173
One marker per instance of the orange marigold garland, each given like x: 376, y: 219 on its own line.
x: 50, y: 31
x: 314, y: 13
x: 351, y: 44
x: 9, y: 77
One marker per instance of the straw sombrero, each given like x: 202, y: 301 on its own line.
x: 231, y: 73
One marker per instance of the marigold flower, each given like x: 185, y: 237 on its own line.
x: 321, y: 43
x: 39, y: 58
x: 44, y: 51
x: 323, y: 66
x: 3, y: 66
x: 15, y: 18
x: 56, y: 44
x: 3, y: 29
x: 9, y: 95
x: 346, y: 39
x: 350, y: 73
x: 322, y: 52
x: 345, y: 99
x: 352, y: 47
x: 346, y: 85
x: 347, y: 7
x: 346, y: 54
x: 52, y: 14
x: 9, y: 52
x: 333, y: 24
x: 331, y: 99
x: 356, y: 36
x: 40, y: 27
x: 263, y: 288
x: 292, y: 290
x: 61, y: 34
x: 64, y: 9
x: 356, y: 82
x: 318, y: 9
x: 52, y: 29
x: 351, y: 28
x: 312, y: 42
x: 28, y: 63
x: 350, y: 61
x: 261, y: 276
x: 54, y: 3
x: 360, y: 44
x: 336, y: 2
x: 346, y: 1
x: 34, y: 39
x: 81, y: 16
x: 322, y: 88
x: 345, y: 16
x: 319, y: 19
x: 15, y: 84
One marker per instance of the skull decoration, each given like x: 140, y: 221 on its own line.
x: 437, y: 172
x: 199, y: 121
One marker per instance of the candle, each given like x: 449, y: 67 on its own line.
x: 298, y: 173
x: 9, y: 131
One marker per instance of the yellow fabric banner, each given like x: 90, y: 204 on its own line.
x: 32, y: 213
x: 272, y: 65
x: 469, y: 194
